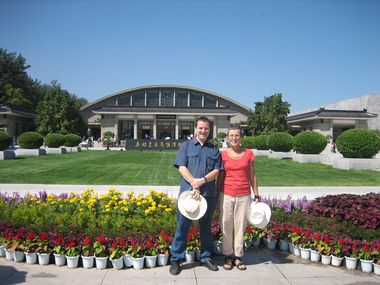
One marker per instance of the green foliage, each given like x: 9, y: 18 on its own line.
x: 5, y: 140
x: 54, y: 140
x: 58, y: 111
x: 221, y: 135
x: 269, y: 116
x: 30, y: 140
x: 261, y: 142
x: 309, y: 142
x: 358, y: 143
x: 280, y: 142
x: 72, y: 140
x: 248, y: 142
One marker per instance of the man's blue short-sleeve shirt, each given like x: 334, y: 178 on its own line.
x: 200, y: 160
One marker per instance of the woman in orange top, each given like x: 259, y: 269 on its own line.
x: 236, y: 184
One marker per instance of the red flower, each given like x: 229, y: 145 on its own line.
x: 189, y: 237
x: 326, y: 240
x: 366, y: 247
x: 44, y: 236
x: 114, y: 244
x: 249, y: 229
x: 72, y: 244
x: 30, y: 236
x: 166, y: 238
x: 122, y: 242
x: 149, y: 244
x: 341, y: 241
x: 317, y: 236
x: 86, y: 240
x: 58, y: 240
x: 19, y: 235
x: 162, y: 233
x: 101, y: 239
x: 308, y: 233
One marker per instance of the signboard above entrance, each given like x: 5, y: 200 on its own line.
x: 171, y: 117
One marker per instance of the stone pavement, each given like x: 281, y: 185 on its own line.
x: 264, y: 267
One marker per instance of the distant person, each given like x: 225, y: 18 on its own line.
x: 236, y: 185
x: 199, y: 163
x: 333, y: 147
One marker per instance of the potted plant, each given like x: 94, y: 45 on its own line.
x: 72, y: 254
x: 59, y: 251
x: 116, y: 253
x: 87, y: 251
x: 100, y: 252
x: 350, y: 253
x: 365, y: 254
x: 324, y: 248
x: 30, y: 248
x: 295, y: 237
x: 163, y: 245
x: 248, y: 236
x: 151, y: 253
x: 191, y: 245
x: 337, y: 252
x: 43, y: 249
x: 7, y: 244
x: 376, y: 257
x: 137, y: 254
x: 305, y: 244
x: 17, y: 246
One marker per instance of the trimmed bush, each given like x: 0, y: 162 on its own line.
x: 358, y: 143
x: 280, y: 142
x: 72, y: 140
x: 5, y: 140
x: 309, y: 142
x: 261, y: 142
x: 248, y: 142
x: 54, y: 140
x: 30, y: 140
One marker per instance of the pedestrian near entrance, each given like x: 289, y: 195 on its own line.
x: 199, y: 163
x: 236, y: 184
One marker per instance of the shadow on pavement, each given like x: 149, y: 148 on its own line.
x: 10, y: 275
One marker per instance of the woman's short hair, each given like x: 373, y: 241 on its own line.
x: 234, y: 128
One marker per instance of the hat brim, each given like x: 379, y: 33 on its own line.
x: 195, y: 215
x: 262, y: 208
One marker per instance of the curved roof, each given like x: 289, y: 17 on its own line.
x: 166, y: 86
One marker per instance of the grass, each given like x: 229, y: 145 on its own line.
x: 156, y: 168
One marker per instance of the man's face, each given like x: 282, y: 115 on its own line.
x: 203, y: 130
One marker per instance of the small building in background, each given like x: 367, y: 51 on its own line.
x: 16, y: 120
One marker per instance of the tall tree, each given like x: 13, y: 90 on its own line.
x: 59, y: 111
x: 269, y: 116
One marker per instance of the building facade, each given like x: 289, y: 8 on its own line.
x: 16, y: 120
x: 161, y: 112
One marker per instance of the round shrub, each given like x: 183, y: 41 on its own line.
x: 248, y: 142
x: 5, y: 140
x: 30, y: 140
x: 280, y: 142
x: 261, y: 142
x: 309, y: 142
x: 358, y: 143
x: 54, y: 140
x: 72, y: 140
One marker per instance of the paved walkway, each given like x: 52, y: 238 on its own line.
x: 264, y: 267
x: 172, y: 191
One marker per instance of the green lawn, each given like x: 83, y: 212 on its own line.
x: 156, y: 168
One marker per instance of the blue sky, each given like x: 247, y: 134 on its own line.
x: 313, y: 52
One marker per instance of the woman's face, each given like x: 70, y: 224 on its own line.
x: 234, y: 137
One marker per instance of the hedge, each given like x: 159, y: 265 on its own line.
x: 5, y: 140
x: 248, y: 142
x: 72, y: 140
x: 54, y: 140
x: 358, y: 143
x: 261, y: 142
x: 280, y: 141
x: 309, y: 142
x: 30, y: 140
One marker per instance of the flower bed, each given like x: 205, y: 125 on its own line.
x: 116, y: 226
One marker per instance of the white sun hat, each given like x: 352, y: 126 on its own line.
x: 191, y: 208
x: 259, y: 214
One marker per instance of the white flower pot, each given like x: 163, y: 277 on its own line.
x: 247, y: 244
x: 325, y: 259
x: 87, y: 261
x: 284, y: 245
x: 127, y: 258
x: 8, y: 255
x: 256, y: 241
x: 376, y: 269
x: 59, y: 259
x: 198, y: 255
x: 297, y: 251
x: 162, y: 259
x: 117, y: 263
x: 291, y: 247
x: 218, y: 247
x: 150, y: 261
x: 101, y: 262
x: 271, y: 243
x: 2, y: 251
x: 315, y: 256
x: 31, y: 257
x: 138, y: 262
x: 18, y: 256
x: 336, y: 261
x: 366, y: 265
x: 72, y: 261
x: 189, y: 256
x: 43, y: 258
x: 305, y: 253
x: 351, y: 262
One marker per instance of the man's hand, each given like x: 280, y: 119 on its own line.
x: 196, y: 193
x: 197, y: 182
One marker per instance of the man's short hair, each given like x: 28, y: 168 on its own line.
x: 203, y: 119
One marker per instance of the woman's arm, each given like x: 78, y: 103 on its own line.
x: 253, y: 181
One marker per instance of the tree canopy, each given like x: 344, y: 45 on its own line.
x: 269, y: 116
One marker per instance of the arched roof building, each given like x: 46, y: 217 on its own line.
x: 161, y: 111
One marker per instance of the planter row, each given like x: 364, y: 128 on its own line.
x: 308, y: 254
x: 86, y: 262
x: 13, y: 153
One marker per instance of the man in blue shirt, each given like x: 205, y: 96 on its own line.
x: 199, y: 163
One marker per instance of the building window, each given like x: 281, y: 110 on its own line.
x: 195, y: 99
x: 181, y: 98
x: 124, y: 100
x: 152, y: 98
x: 145, y: 130
x: 126, y: 129
x: 209, y: 101
x: 138, y: 99
x: 186, y: 129
x: 167, y: 98
x: 165, y: 129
